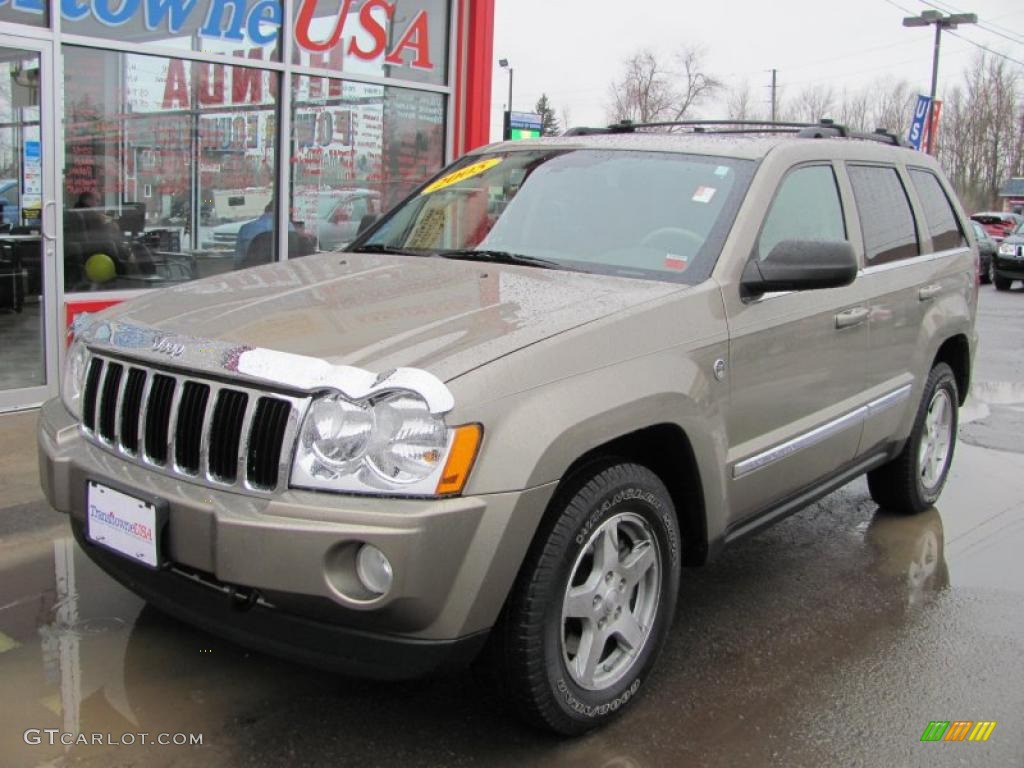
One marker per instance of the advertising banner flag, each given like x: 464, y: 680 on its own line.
x: 917, y: 126
x: 930, y: 126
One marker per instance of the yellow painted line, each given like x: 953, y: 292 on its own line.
x: 7, y: 643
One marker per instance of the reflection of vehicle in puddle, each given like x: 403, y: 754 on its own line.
x: 910, y: 549
x: 66, y: 628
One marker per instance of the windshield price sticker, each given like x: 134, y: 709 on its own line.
x: 703, y: 194
x: 462, y: 174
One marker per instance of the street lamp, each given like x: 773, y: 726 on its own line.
x: 503, y: 63
x: 941, y: 22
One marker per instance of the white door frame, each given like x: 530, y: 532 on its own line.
x: 14, y: 399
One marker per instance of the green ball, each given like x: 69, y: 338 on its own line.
x: 99, y: 268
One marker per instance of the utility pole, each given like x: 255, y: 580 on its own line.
x: 774, y: 101
x: 941, y: 22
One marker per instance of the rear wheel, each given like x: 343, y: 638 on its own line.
x: 591, y: 608
x: 912, y: 481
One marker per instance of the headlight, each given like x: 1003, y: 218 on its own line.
x: 1006, y: 249
x: 392, y: 444
x: 73, y: 384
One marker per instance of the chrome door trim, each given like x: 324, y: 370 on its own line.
x: 819, y: 434
x: 890, y: 400
x: 914, y: 260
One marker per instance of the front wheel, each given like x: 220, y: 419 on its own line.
x: 593, y: 603
x: 912, y: 482
x: 1001, y: 283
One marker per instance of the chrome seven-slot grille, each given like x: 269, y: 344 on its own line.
x: 220, y: 434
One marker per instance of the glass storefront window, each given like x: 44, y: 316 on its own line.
x: 34, y: 13
x: 356, y: 151
x: 169, y: 168
x: 401, y: 39
x: 244, y: 28
x: 22, y: 303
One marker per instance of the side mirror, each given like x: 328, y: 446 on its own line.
x: 801, y: 265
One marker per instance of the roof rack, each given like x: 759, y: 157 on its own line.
x: 823, y: 129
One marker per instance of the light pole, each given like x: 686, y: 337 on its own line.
x: 503, y: 63
x: 941, y: 22
x: 507, y: 132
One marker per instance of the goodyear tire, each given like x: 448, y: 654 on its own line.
x: 593, y: 602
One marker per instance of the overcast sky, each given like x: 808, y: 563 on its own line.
x: 573, y: 49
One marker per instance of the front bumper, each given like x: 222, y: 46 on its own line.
x: 285, y: 557
x: 1009, y: 267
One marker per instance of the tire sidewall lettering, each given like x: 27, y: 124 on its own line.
x: 633, y: 493
x: 599, y: 710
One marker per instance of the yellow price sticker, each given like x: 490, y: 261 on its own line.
x: 462, y: 174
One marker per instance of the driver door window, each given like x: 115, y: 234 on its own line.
x: 806, y: 207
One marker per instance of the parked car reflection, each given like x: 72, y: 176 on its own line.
x: 338, y: 217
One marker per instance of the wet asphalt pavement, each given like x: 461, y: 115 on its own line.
x: 831, y: 639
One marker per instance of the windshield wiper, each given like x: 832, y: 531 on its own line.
x: 388, y: 249
x: 499, y: 257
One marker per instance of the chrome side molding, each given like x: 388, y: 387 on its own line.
x: 820, y: 433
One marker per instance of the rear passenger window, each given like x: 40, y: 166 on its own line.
x: 806, y: 207
x: 885, y: 215
x: 938, y: 211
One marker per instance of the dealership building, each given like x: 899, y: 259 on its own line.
x: 148, y: 143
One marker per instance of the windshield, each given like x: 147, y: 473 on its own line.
x: 636, y: 214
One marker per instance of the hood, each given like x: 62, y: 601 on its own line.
x: 381, y: 312
x: 231, y: 228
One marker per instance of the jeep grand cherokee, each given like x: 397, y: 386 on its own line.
x: 499, y: 426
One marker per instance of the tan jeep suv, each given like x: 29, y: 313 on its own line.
x: 500, y: 423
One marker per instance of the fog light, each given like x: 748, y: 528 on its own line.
x: 374, y: 569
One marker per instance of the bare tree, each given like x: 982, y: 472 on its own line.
x: 813, y: 103
x: 740, y: 103
x: 893, y: 106
x: 980, y: 133
x: 649, y: 91
x: 854, y: 110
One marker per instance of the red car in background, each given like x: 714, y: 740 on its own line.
x: 998, y: 224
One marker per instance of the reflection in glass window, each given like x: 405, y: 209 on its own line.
x: 357, y: 150
x: 938, y: 211
x: 885, y: 215
x: 169, y: 169
x: 242, y: 28
x: 402, y: 39
x: 649, y: 215
x: 806, y: 207
x: 34, y: 13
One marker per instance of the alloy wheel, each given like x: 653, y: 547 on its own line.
x: 937, y: 439
x: 610, y: 602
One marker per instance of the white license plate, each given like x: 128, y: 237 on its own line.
x: 122, y: 523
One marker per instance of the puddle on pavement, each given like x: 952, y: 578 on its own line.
x: 80, y: 654
x: 993, y: 416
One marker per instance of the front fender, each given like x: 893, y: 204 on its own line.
x: 532, y: 437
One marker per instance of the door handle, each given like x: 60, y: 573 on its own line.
x: 49, y: 231
x: 929, y: 292
x: 851, y: 317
